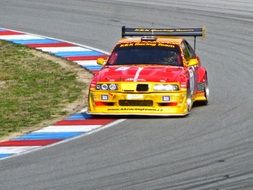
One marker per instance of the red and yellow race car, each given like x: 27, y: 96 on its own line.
x: 151, y: 71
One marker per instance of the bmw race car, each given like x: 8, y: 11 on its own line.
x: 151, y: 71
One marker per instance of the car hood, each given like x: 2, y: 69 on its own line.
x: 143, y: 73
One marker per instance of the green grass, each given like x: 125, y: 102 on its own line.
x: 32, y: 89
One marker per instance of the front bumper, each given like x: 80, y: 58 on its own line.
x: 153, y: 103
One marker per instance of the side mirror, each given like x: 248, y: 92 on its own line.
x: 101, y: 61
x: 193, y: 62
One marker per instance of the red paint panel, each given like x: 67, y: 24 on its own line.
x: 80, y: 58
x: 61, y: 44
x: 149, y: 73
x: 7, y: 32
x: 85, y: 122
x: 28, y: 142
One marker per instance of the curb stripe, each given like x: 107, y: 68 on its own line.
x: 92, y: 67
x: 20, y: 37
x: 6, y: 32
x: 28, y: 143
x: 78, y: 53
x: 68, y: 128
x: 59, y: 44
x: 47, y: 136
x: 5, y: 155
x: 87, y: 63
x: 78, y: 116
x: 38, y: 41
x: 15, y: 150
x: 62, y: 49
x: 80, y: 58
x: 85, y: 122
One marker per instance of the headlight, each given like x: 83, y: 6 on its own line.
x: 113, y: 87
x: 106, y: 87
x: 166, y: 87
x: 159, y: 87
x: 98, y: 87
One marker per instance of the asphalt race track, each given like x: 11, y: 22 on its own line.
x: 212, y: 149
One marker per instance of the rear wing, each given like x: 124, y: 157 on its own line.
x: 183, y: 32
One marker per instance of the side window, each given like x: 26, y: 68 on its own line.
x: 191, y: 51
x: 185, y: 51
x: 188, y: 51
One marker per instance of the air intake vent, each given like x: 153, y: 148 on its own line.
x: 142, y: 87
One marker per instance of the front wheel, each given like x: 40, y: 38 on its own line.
x: 189, y: 100
x: 206, y: 91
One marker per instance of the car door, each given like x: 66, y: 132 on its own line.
x: 193, y: 70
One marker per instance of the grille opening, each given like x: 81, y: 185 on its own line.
x: 168, y: 104
x: 135, y: 102
x: 104, y: 103
x: 142, y: 87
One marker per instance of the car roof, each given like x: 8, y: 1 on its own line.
x: 169, y: 40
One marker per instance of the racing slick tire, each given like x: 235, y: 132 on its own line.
x: 189, y: 101
x: 206, y: 91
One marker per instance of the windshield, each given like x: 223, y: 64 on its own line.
x: 145, y: 53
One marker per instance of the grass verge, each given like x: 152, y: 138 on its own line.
x: 36, y: 89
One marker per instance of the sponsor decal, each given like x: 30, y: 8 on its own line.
x: 135, y: 109
x: 164, y: 30
x: 150, y: 44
